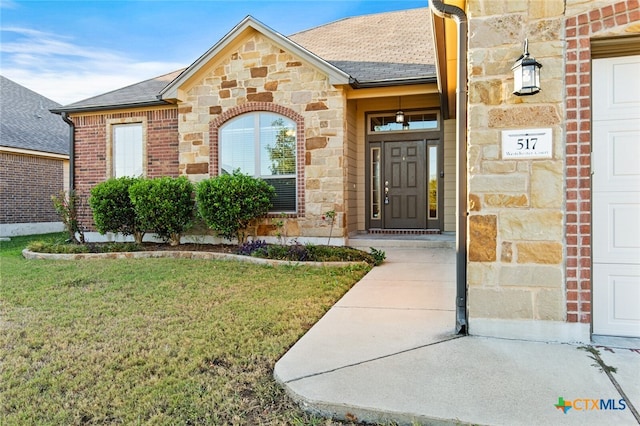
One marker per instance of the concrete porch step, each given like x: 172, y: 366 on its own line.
x: 381, y: 241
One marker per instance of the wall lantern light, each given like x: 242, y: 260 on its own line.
x: 399, y: 114
x: 526, y: 74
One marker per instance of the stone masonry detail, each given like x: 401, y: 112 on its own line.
x: 515, y: 268
x: 254, y: 74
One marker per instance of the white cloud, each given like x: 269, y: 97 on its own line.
x: 65, y: 71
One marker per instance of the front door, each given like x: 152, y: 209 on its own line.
x: 405, y: 185
x: 616, y: 196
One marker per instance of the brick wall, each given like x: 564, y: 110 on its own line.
x: 580, y: 28
x: 91, y: 150
x: 26, y: 186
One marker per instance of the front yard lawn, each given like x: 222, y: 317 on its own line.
x: 153, y: 341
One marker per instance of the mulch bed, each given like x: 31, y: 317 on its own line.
x: 215, y: 248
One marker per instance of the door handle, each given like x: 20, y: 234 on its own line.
x: 386, y: 192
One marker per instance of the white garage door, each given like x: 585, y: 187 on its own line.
x: 616, y: 196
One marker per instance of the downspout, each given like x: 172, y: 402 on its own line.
x: 72, y: 140
x: 453, y: 12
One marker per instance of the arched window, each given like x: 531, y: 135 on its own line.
x: 262, y: 144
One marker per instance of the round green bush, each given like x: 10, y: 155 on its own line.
x: 164, y: 205
x: 229, y: 203
x: 112, y: 208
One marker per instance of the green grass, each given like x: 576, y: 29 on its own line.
x: 153, y: 341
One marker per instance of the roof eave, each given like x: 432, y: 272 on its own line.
x: 392, y: 82
x: 108, y: 107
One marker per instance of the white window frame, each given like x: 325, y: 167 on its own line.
x: 111, y: 156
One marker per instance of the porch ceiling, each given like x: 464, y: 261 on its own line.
x: 380, y: 92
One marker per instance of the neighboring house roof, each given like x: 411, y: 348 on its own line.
x: 382, y: 49
x: 26, y: 122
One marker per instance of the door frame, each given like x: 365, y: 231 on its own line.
x: 377, y: 140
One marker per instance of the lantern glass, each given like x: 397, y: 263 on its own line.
x: 526, y: 74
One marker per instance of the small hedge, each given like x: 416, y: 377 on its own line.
x: 112, y: 208
x: 164, y: 206
x: 229, y: 203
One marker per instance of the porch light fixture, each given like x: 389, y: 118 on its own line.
x: 526, y: 74
x: 399, y: 114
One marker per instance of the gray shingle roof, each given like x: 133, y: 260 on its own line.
x: 383, y: 48
x: 27, y: 123
x: 378, y: 47
x: 143, y: 93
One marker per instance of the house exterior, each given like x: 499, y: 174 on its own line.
x: 405, y: 122
x: 335, y: 89
x: 34, y: 161
x: 553, y: 248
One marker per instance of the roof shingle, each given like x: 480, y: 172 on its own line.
x: 380, y: 48
x: 27, y: 123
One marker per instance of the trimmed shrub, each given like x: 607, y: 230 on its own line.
x: 163, y: 205
x: 229, y: 203
x: 112, y: 208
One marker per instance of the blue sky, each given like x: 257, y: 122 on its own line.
x: 72, y: 50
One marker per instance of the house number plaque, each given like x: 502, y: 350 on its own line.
x: 527, y: 143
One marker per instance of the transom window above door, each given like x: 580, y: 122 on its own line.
x: 263, y: 145
x: 413, y: 120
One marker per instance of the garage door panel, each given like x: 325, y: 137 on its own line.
x: 616, y: 156
x: 619, y: 285
x: 618, y: 94
x: 618, y: 236
x: 615, y: 162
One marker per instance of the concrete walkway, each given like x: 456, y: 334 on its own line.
x: 387, y: 352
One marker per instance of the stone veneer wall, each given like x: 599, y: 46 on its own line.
x: 257, y: 75
x: 530, y: 221
x: 584, y: 21
x: 516, y: 233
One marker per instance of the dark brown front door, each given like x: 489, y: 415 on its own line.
x: 404, y: 185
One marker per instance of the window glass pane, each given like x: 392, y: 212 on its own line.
x: 375, y: 184
x: 127, y: 150
x: 237, y: 145
x: 277, y: 145
x: 263, y: 145
x: 285, y: 199
x: 433, y: 182
x: 419, y: 120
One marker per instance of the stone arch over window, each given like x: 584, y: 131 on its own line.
x: 218, y: 122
